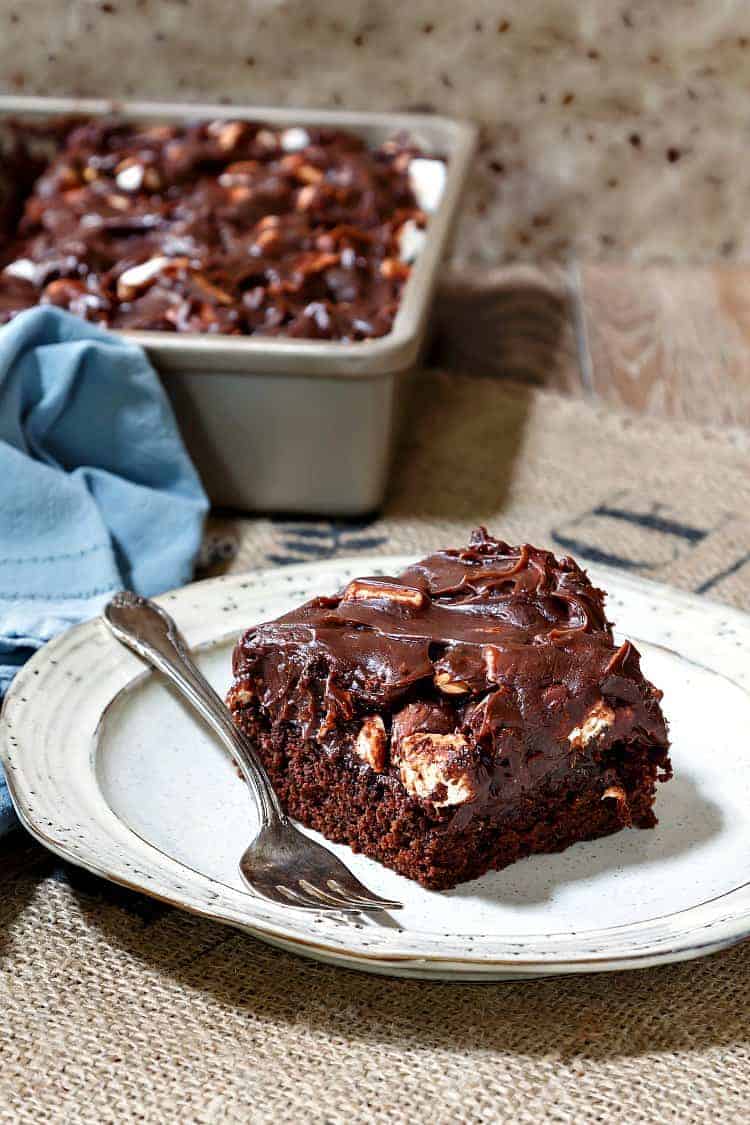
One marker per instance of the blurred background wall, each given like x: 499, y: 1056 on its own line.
x: 610, y: 130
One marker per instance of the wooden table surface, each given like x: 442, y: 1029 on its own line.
x: 668, y: 341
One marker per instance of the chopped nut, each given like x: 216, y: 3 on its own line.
x: 90, y: 174
x: 227, y: 133
x: 446, y: 683
x: 372, y: 742
x: 238, y: 173
x: 138, y: 278
x: 309, y: 174
x: 175, y: 152
x: 63, y: 290
x: 118, y: 202
x: 316, y: 263
x: 292, y: 162
x: 212, y: 291
x: 306, y: 197
x: 66, y: 178
x: 266, y: 138
x: 241, y: 193
x: 75, y: 195
x: 268, y: 240
x: 362, y: 590
x: 159, y: 132
x: 239, y: 696
x: 70, y: 293
x: 428, y: 764
x: 599, y: 719
x: 393, y: 269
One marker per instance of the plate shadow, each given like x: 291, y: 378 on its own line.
x: 687, y: 821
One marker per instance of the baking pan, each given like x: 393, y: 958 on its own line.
x: 299, y: 426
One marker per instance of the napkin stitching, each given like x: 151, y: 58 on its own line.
x: 53, y: 558
x: 47, y: 597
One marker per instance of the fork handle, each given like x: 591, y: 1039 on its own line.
x: 150, y: 632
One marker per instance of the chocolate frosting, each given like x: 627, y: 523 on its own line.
x: 508, y: 646
x: 277, y: 232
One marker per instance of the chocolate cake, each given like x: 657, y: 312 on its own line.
x: 225, y: 226
x: 448, y: 721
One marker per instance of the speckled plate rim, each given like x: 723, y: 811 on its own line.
x: 52, y: 718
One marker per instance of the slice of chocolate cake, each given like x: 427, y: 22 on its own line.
x: 451, y: 720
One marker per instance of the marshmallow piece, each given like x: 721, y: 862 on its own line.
x: 23, y: 268
x: 426, y: 763
x: 130, y: 178
x: 295, y: 139
x: 411, y: 239
x: 372, y: 742
x: 427, y: 180
x: 599, y: 719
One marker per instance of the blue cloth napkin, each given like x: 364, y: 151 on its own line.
x: 97, y: 492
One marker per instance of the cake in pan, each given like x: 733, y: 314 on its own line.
x: 228, y: 226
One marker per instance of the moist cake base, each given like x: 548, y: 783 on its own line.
x: 350, y: 804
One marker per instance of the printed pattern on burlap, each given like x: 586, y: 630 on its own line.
x: 116, y: 1008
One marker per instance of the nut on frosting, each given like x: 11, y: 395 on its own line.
x: 370, y: 589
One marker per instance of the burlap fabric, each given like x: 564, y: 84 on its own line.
x: 117, y: 1008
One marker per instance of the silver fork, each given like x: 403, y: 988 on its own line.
x: 280, y: 864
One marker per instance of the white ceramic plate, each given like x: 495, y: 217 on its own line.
x: 108, y: 769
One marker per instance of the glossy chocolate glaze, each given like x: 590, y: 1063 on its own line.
x: 508, y: 647
x: 246, y: 229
